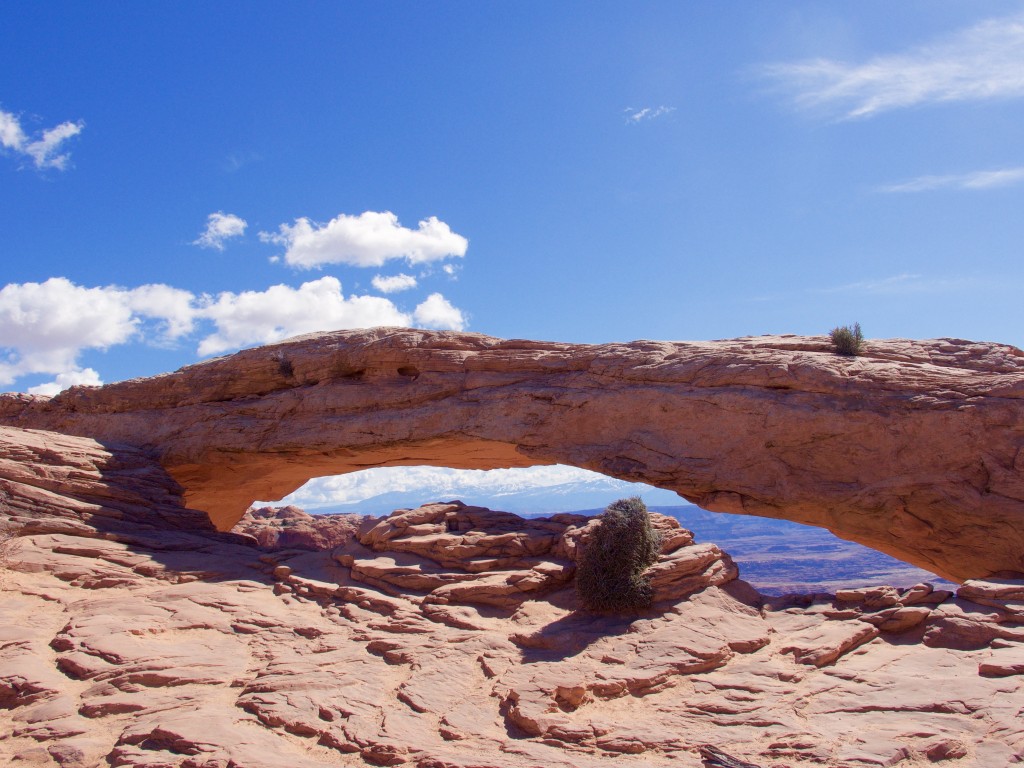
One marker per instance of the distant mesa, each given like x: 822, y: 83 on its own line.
x: 915, y: 448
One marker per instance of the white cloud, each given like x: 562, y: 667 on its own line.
x: 84, y: 377
x: 901, y: 284
x: 367, y: 240
x: 437, y: 312
x: 634, y: 116
x: 980, y: 63
x: 219, y: 227
x: 393, y: 283
x: 261, y: 317
x: 47, y: 325
x: 434, y: 482
x: 44, y: 150
x: 973, y: 181
x: 171, y: 307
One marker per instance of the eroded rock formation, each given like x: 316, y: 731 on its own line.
x: 914, y: 448
x: 449, y: 636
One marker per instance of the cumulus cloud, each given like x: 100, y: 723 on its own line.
x: 634, y: 116
x: 171, y: 308
x: 85, y: 377
x: 261, y: 317
x: 44, y: 148
x: 977, y: 180
x: 439, y: 313
x: 393, y: 283
x: 47, y: 325
x: 983, y: 62
x: 219, y: 227
x: 367, y: 240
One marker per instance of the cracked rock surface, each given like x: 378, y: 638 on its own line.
x: 449, y: 636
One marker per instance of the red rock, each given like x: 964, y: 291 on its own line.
x: 1005, y: 659
x: 871, y: 597
x: 911, y: 447
x: 688, y: 570
x: 827, y: 642
x: 128, y: 641
x: 903, y: 619
x: 924, y: 594
x: 292, y: 527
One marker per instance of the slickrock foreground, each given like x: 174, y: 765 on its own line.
x: 449, y: 637
x: 913, y: 448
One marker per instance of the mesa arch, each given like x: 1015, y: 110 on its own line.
x: 915, y: 448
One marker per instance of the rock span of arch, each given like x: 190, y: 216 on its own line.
x: 915, y: 448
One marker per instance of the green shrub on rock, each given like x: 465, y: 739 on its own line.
x: 609, y: 575
x: 847, y: 340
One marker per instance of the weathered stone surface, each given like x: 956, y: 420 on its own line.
x: 127, y: 641
x: 293, y: 527
x: 1006, y: 659
x: 822, y: 642
x: 914, y: 448
x: 53, y: 483
x: 460, y: 554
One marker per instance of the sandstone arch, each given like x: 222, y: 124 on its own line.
x: 915, y: 448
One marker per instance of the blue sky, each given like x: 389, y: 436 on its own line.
x: 181, y: 180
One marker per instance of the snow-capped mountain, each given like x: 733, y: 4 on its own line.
x: 537, y: 490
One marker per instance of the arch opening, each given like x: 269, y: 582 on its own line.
x: 775, y: 556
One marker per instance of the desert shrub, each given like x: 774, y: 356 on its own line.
x: 609, y: 575
x: 847, y: 339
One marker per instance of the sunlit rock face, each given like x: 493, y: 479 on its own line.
x: 450, y: 635
x: 914, y: 448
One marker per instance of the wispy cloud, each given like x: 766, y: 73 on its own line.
x: 43, y: 148
x: 972, y: 181
x: 903, y: 283
x: 236, y: 161
x: 644, y: 114
x: 982, y: 62
x: 219, y: 227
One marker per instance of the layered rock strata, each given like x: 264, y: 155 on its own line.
x: 449, y: 637
x: 913, y: 448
